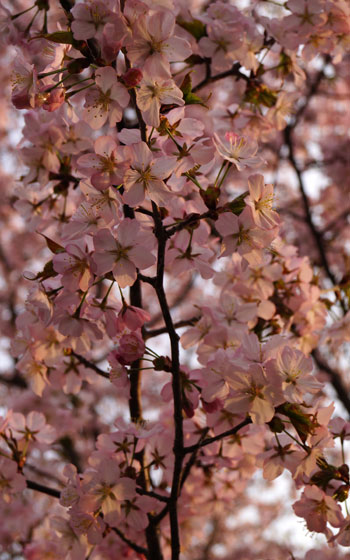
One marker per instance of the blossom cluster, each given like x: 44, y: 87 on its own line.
x: 150, y: 189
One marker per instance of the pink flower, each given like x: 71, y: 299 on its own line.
x: 307, y: 14
x: 105, y: 167
x: 11, y: 482
x: 90, y: 19
x: 278, y: 458
x: 35, y: 372
x: 54, y: 99
x: 184, y: 255
x: 237, y: 150
x: 254, y: 393
x: 130, y: 347
x: 240, y: 233
x: 32, y: 428
x: 74, y: 265
x: 24, y: 84
x: 106, y: 489
x: 123, y: 254
x: 318, y: 509
x: 153, y: 93
x: 295, y: 371
x: 146, y: 174
x: 134, y: 512
x: 87, y: 524
x: 260, y: 202
x: 154, y: 43
x: 132, y: 317
x: 221, y: 45
x: 105, y: 101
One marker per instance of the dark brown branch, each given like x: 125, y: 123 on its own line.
x: 208, y: 441
x: 315, y: 233
x: 90, y: 365
x: 192, y: 459
x: 139, y: 549
x: 16, y: 380
x: 336, y: 380
x: 191, y: 219
x: 193, y: 449
x: 234, y: 71
x: 152, y: 495
x: 177, y: 301
x: 153, y: 551
x: 43, y: 489
x: 176, y: 384
x: 178, y: 325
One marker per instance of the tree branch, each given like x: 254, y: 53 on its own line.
x: 176, y: 384
x: 177, y: 325
x: 336, y: 380
x: 43, y: 489
x: 208, y: 441
x: 234, y: 71
x: 90, y: 365
x: 139, y: 549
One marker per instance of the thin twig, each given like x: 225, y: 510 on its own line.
x: 139, y: 549
x: 43, y: 489
x: 90, y: 365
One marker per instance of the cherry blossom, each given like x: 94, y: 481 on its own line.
x: 237, y: 150
x: 175, y: 328
x: 106, y: 101
x: 123, y: 253
x: 318, y: 509
x: 145, y: 175
x: 153, y: 93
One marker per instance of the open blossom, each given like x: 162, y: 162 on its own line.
x: 254, y: 393
x: 24, y: 84
x: 122, y: 254
x: 145, y: 175
x: 237, y: 150
x: 295, y: 371
x: 240, y: 233
x: 279, y: 458
x: 156, y: 92
x: 87, y: 524
x: 32, y: 428
x: 221, y: 45
x: 318, y: 509
x: 154, y: 44
x: 11, y: 482
x: 260, y: 202
x: 35, y: 373
x: 90, y: 19
x: 306, y: 15
x: 74, y: 265
x: 282, y: 109
x: 105, y: 166
x: 106, y: 489
x: 105, y: 101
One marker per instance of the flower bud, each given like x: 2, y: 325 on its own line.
x: 132, y: 77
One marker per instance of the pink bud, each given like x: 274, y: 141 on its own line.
x: 132, y: 77
x: 212, y: 406
x: 21, y: 100
x: 131, y: 348
x: 54, y: 100
x: 133, y: 317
